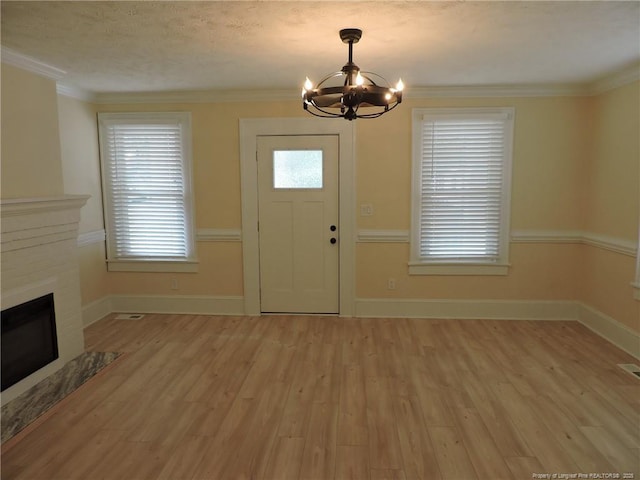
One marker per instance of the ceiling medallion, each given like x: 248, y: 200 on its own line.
x: 342, y: 94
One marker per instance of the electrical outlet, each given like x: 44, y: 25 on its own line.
x: 391, y: 284
x: 174, y: 284
x: 366, y: 210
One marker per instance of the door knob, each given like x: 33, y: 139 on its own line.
x: 332, y: 228
x: 333, y: 240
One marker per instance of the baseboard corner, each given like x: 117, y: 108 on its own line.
x: 610, y: 329
x: 96, y: 310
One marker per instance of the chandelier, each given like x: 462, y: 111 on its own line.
x: 342, y: 94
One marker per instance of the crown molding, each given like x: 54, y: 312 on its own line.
x: 542, y: 90
x: 75, y: 92
x: 199, y: 96
x: 11, y: 57
x: 471, y: 91
x: 609, y: 82
x: 617, y: 79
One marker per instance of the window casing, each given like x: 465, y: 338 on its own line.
x: 461, y: 191
x: 147, y: 194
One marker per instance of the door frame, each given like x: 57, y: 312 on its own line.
x: 250, y: 130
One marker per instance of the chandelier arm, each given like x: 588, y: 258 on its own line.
x: 372, y: 115
x: 363, y: 75
x: 326, y: 113
x: 323, y: 116
x: 378, y: 114
x: 328, y: 77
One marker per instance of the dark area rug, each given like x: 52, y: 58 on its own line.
x: 22, y: 410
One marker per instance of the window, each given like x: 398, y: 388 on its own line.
x: 461, y: 191
x: 297, y: 169
x: 146, y: 176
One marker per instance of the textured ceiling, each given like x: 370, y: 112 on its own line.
x: 181, y: 45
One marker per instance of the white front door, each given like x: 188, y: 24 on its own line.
x: 298, y: 223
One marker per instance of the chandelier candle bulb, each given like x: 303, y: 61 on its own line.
x: 351, y: 93
x: 308, y: 85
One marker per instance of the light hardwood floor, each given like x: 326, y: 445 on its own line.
x: 288, y: 397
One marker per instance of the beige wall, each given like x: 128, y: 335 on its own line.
x: 576, y: 168
x: 548, y: 165
x: 549, y: 154
x: 612, y: 185
x: 537, y: 272
x: 30, y: 149
x: 216, y: 182
x: 219, y: 274
x: 80, y: 158
x: 94, y: 278
x: 612, y: 200
x: 548, y: 171
x: 81, y: 171
x: 556, y: 145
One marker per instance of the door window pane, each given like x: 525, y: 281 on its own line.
x: 297, y: 169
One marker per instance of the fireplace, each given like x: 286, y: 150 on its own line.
x: 38, y: 247
x: 29, y: 339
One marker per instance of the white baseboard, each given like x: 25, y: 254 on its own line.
x: 179, y: 304
x: 467, y: 309
x: 600, y: 323
x: 610, y: 329
x: 95, y: 311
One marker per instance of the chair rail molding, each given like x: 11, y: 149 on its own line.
x: 606, y: 242
x: 383, y: 236
x: 218, y: 235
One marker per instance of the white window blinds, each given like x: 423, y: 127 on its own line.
x: 463, y: 182
x: 146, y: 179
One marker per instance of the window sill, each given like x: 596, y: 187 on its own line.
x: 157, y: 266
x: 416, y: 268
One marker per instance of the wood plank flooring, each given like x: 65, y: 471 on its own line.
x: 308, y: 397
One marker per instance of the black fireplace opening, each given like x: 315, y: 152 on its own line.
x: 29, y: 339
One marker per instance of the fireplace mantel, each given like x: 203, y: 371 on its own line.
x: 25, y: 206
x: 38, y: 248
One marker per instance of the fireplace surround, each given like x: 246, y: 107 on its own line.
x: 39, y: 256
